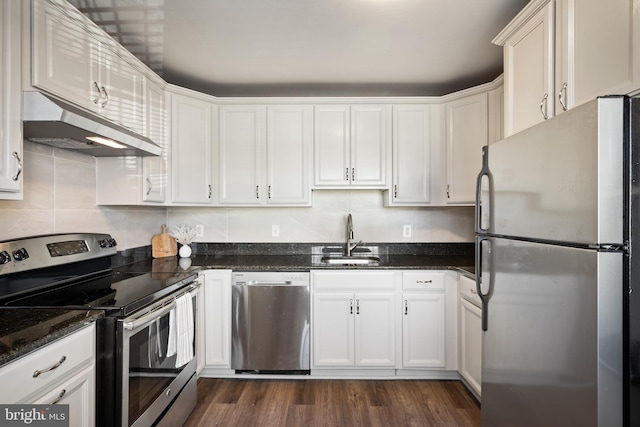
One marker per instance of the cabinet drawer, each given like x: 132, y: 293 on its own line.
x: 423, y: 281
x: 346, y: 280
x: 78, y: 349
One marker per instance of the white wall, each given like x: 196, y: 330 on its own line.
x: 59, y: 197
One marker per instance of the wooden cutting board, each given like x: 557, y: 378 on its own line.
x: 163, y: 244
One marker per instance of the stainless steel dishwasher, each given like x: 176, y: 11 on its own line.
x: 270, y: 327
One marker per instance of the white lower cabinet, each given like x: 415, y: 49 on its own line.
x: 79, y: 393
x: 424, y: 320
x: 470, y: 335
x: 217, y: 321
x: 353, y: 319
x: 423, y: 330
x: 354, y: 329
x: 67, y: 377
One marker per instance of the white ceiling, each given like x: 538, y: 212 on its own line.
x: 312, y: 47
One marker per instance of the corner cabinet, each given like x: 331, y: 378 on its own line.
x: 154, y: 169
x: 10, y: 101
x: 466, y: 134
x: 133, y: 180
x: 193, y: 144
x: 351, y: 144
x: 265, y: 155
x: 411, y: 156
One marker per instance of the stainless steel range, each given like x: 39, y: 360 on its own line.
x: 145, y: 342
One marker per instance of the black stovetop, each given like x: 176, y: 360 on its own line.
x: 120, y: 291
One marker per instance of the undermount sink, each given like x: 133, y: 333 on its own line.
x: 350, y: 260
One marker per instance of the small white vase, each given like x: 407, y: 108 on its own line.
x: 185, y: 251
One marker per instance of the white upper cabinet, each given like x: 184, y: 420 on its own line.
x: 529, y: 68
x: 242, y: 140
x: 121, y: 88
x: 10, y: 101
x: 192, y: 147
x: 597, y: 46
x: 561, y: 53
x: 289, y: 146
x: 351, y: 145
x: 74, y: 60
x: 466, y: 134
x: 155, y: 168
x: 411, y: 156
x: 265, y: 154
x: 62, y: 62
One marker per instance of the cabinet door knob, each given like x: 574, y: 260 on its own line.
x: 210, y: 191
x: 350, y: 306
x: 346, y: 175
x: 357, y: 306
x: 148, y: 186
x: 395, y: 191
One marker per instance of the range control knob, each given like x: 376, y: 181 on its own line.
x: 112, y: 242
x: 103, y: 243
x: 20, y: 254
x: 4, y: 257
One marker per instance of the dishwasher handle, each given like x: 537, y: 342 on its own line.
x: 264, y: 283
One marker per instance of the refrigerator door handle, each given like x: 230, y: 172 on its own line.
x: 484, y: 298
x: 483, y: 172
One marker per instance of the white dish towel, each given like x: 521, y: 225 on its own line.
x: 181, y: 330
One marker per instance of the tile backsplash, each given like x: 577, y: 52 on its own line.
x: 59, y: 197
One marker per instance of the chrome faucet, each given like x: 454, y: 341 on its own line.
x: 350, y: 245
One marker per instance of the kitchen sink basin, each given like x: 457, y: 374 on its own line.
x: 351, y: 260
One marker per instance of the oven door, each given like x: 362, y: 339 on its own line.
x: 158, y: 356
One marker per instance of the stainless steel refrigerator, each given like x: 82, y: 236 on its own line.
x: 557, y: 210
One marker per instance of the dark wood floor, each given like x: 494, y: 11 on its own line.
x: 343, y: 403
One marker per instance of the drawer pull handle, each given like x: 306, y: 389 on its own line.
x: 38, y: 372
x: 406, y: 307
x: 59, y: 398
x: 424, y: 281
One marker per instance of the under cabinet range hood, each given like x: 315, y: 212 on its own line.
x: 53, y: 122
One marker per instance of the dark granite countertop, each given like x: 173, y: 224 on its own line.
x: 313, y: 262
x: 305, y: 257
x: 23, y: 330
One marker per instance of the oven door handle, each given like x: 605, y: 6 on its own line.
x: 156, y: 314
